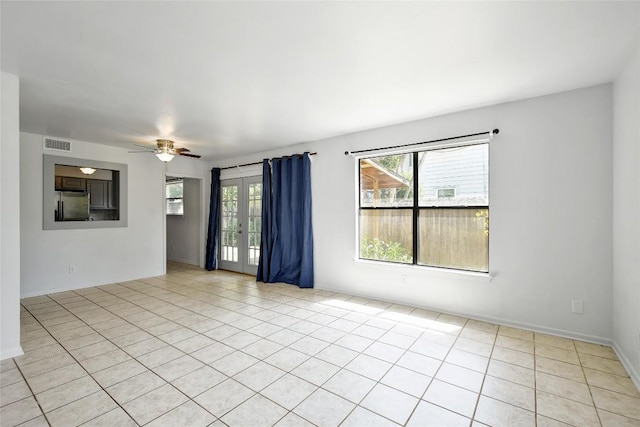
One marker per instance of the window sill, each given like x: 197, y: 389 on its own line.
x: 485, y: 277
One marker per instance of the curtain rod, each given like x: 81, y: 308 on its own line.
x: 260, y: 162
x: 491, y: 133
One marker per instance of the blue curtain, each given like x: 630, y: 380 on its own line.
x: 211, y: 261
x: 287, y: 247
x: 266, y: 242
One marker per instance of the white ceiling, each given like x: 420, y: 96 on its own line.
x: 230, y: 78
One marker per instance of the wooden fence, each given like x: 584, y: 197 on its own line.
x: 454, y: 238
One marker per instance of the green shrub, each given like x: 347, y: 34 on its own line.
x: 383, y: 251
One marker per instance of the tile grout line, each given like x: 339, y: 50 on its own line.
x: 375, y: 382
x: 311, y: 356
x: 30, y: 390
x: 360, y: 352
x: 534, y: 365
x: 587, y: 383
x: 434, y: 376
x: 154, y: 292
x: 232, y: 377
x: 79, y: 364
x: 151, y: 369
x: 484, y: 377
x: 109, y: 340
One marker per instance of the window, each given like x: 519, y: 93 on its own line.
x: 83, y: 193
x: 174, y: 196
x: 427, y: 208
x: 446, y: 193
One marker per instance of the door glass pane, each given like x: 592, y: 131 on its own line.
x: 454, y: 238
x: 255, y: 225
x: 386, y: 181
x: 229, y: 224
x: 386, y: 235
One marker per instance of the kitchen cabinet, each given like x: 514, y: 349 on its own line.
x: 101, y: 194
x: 67, y: 183
x: 112, y: 196
x: 97, y: 190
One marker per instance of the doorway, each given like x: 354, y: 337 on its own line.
x: 240, y: 224
x: 183, y: 208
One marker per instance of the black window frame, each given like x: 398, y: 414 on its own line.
x: 416, y: 208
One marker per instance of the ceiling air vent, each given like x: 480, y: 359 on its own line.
x: 57, y: 144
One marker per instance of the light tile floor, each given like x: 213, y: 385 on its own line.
x: 197, y: 348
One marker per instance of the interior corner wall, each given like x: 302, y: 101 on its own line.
x: 550, y: 210
x: 183, y: 231
x: 9, y: 217
x: 97, y: 256
x: 626, y: 216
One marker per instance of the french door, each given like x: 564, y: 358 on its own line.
x: 240, y: 224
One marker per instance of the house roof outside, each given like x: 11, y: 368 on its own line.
x: 374, y: 175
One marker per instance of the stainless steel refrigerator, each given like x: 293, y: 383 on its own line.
x: 71, y: 206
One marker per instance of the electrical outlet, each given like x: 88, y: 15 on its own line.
x: 577, y: 306
x: 403, y: 279
x: 72, y: 269
x: 638, y: 340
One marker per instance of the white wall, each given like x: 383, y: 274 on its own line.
x: 186, y: 167
x: 98, y: 256
x: 183, y: 232
x: 9, y: 217
x: 550, y: 190
x: 626, y: 216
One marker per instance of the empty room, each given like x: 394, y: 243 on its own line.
x: 320, y: 213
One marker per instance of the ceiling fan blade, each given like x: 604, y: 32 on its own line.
x: 195, y: 156
x: 182, y: 150
x: 146, y: 147
x: 140, y: 151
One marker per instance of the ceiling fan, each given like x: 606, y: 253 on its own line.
x: 166, y: 150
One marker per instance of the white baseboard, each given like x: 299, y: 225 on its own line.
x: 635, y: 376
x: 184, y: 261
x: 56, y: 290
x: 14, y: 352
x: 544, y: 329
x: 497, y: 320
x: 84, y: 286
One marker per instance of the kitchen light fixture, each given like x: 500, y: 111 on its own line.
x: 87, y: 171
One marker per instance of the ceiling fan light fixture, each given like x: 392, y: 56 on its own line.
x: 165, y: 150
x: 87, y: 170
x: 164, y: 156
